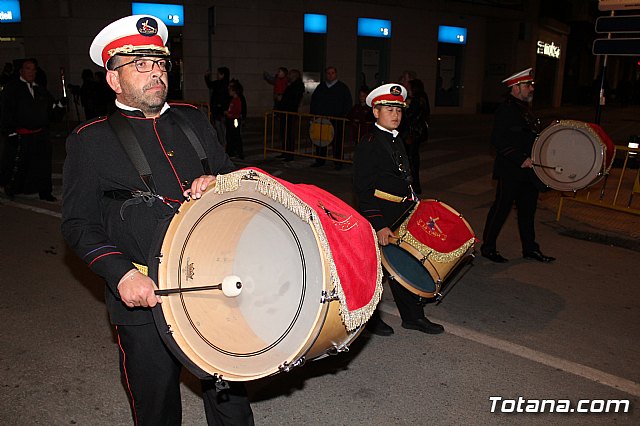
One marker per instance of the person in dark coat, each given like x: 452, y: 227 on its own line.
x: 290, y: 102
x: 332, y: 98
x: 112, y: 215
x: 416, y: 130
x: 219, y: 100
x: 514, y: 131
x: 382, y: 183
x: 27, y: 109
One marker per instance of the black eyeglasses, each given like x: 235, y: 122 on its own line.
x: 146, y: 65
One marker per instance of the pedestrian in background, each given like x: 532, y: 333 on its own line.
x: 331, y: 98
x: 233, y: 120
x: 416, y: 131
x: 279, y: 81
x: 290, y: 102
x: 219, y: 100
x: 27, y: 109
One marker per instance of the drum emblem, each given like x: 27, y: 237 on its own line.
x: 431, y: 228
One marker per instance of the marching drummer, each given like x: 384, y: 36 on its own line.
x: 124, y: 178
x: 382, y: 181
x: 514, y: 132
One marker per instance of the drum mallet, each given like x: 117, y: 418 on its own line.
x: 231, y: 286
x: 558, y: 169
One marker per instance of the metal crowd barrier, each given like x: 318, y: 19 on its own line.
x: 619, y: 190
x: 312, y: 136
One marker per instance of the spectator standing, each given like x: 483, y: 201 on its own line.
x: 89, y: 95
x: 290, y: 102
x: 219, y: 100
x: 332, y: 98
x: 361, y: 116
x: 106, y: 96
x: 416, y: 131
x: 233, y: 120
x: 279, y: 81
x: 27, y: 109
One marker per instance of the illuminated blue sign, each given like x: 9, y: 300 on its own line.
x: 314, y: 23
x: 171, y: 14
x: 10, y: 11
x: 455, y: 35
x: 368, y: 27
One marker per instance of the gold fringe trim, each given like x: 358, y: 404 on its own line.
x: 144, y: 269
x: 430, y: 253
x: 273, y: 189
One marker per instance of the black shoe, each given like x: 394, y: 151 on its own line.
x: 317, y: 164
x: 494, y: 256
x: 287, y: 158
x: 423, y: 325
x: 378, y: 327
x: 48, y: 197
x: 537, y: 255
x: 337, y: 166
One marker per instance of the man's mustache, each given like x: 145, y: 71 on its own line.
x: 155, y: 82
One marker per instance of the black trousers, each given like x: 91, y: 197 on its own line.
x: 26, y: 163
x: 152, y: 377
x: 525, y: 196
x: 408, y: 303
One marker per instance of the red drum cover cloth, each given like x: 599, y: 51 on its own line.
x: 438, y: 228
x: 604, y: 137
x: 353, y: 246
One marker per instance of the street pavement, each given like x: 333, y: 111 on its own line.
x: 565, y: 331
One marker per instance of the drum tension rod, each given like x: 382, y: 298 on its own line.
x: 286, y: 367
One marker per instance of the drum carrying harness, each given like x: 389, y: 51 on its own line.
x: 129, y: 142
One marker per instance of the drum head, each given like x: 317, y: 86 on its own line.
x: 572, y: 154
x: 283, y: 273
x: 408, y: 270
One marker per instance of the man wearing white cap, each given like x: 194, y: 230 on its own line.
x: 125, y: 176
x: 514, y: 131
x: 382, y: 181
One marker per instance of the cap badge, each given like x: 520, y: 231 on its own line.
x: 395, y: 90
x: 147, y: 26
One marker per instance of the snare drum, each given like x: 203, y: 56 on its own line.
x: 431, y: 242
x: 309, y: 270
x: 571, y: 155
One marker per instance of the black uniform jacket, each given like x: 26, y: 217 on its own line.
x: 21, y: 110
x: 381, y: 163
x: 96, y: 165
x: 515, y: 129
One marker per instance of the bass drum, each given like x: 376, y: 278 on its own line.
x: 287, y: 310
x: 572, y: 155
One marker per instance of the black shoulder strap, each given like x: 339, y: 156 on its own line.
x: 129, y: 142
x: 183, y: 123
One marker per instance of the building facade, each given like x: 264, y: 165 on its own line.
x: 492, y: 39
